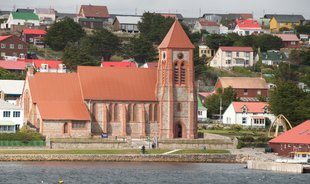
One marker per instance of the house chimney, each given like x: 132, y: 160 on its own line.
x: 30, y: 71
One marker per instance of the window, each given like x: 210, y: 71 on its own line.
x: 65, y: 128
x: 150, y: 112
x: 244, y: 120
x: 20, y: 46
x: 265, y: 109
x: 228, y: 62
x: 176, y: 73
x: 134, y: 111
x: 115, y: 112
x: 2, y: 54
x: 6, y: 114
x: 182, y: 73
x: 179, y: 107
x: 237, y: 54
x: 3, y: 45
x: 110, y: 112
x: 78, y: 125
x: 44, y: 66
x: 11, y: 46
x: 293, y: 43
x: 16, y: 114
x: 246, y: 62
x: 247, y: 54
x: 200, y: 113
x: 244, y: 109
x: 245, y: 91
x: 31, y: 40
x: 228, y: 54
x: 155, y: 112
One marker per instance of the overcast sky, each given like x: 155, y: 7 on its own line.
x: 188, y: 8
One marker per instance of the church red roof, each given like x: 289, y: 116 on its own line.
x: 176, y: 38
x: 118, y: 64
x: 298, y: 135
x: 120, y: 84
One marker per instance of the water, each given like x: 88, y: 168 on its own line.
x: 137, y: 172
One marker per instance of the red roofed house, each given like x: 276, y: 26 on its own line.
x: 33, y: 36
x: 248, y: 114
x: 94, y: 17
x: 247, y: 27
x: 246, y: 88
x: 227, y: 57
x: 53, y: 66
x: 295, y: 140
x: 13, y: 66
x: 136, y: 102
x: 118, y: 64
x: 289, y: 40
x: 12, y: 46
x: 206, y: 25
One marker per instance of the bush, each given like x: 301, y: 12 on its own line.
x: 236, y: 128
x: 217, y: 126
x: 24, y: 135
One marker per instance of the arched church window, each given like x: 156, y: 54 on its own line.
x: 116, y: 112
x: 110, y: 112
x: 182, y: 73
x: 151, y: 112
x: 129, y: 112
x: 155, y: 112
x: 134, y: 112
x: 176, y: 73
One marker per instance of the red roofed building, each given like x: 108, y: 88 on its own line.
x: 120, y: 101
x: 118, y: 64
x: 206, y: 25
x: 294, y: 140
x: 12, y: 46
x: 247, y: 27
x: 94, y: 17
x: 227, y: 57
x: 289, y: 40
x: 53, y: 66
x: 248, y: 114
x: 33, y: 36
x: 13, y: 66
x: 246, y: 88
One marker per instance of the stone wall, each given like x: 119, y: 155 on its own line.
x: 274, y: 166
x: 199, y: 158
x: 81, y: 145
x: 196, y: 146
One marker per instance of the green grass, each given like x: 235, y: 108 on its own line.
x: 96, y: 152
x: 232, y: 133
x: 201, y: 151
x: 196, y: 141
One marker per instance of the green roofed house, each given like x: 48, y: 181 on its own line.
x: 273, y: 57
x: 22, y: 18
x: 202, y: 111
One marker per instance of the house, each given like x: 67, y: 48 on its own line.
x: 47, y: 16
x: 264, y: 22
x: 128, y: 24
x: 53, y: 66
x: 11, y: 90
x: 21, y: 19
x: 273, y: 57
x: 248, y: 114
x: 295, y: 140
x: 206, y: 51
x: 278, y: 21
x: 202, y: 111
x: 227, y: 19
x: 150, y: 65
x: 33, y: 36
x: 208, y: 26
x: 93, y: 17
x: 227, y: 57
x: 247, y: 27
x: 289, y: 40
x: 11, y: 117
x: 136, y: 102
x: 223, y: 29
x: 18, y: 67
x: 127, y: 64
x: 12, y: 46
x: 246, y: 88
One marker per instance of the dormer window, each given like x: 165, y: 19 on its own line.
x: 44, y: 67
x: 266, y: 109
x: 244, y: 109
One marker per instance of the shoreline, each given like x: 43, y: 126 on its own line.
x: 186, y: 158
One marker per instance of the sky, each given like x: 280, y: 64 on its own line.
x: 188, y: 8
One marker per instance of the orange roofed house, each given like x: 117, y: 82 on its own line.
x: 136, y: 102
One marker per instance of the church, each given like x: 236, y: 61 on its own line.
x: 124, y: 102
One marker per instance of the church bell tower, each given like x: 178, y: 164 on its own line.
x: 175, y: 86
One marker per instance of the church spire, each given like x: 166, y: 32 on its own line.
x: 176, y: 38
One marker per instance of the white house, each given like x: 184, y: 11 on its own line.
x: 247, y: 27
x: 227, y: 57
x: 11, y: 117
x: 209, y: 26
x: 46, y: 15
x: 248, y: 114
x: 223, y: 29
x: 11, y: 90
x: 21, y: 18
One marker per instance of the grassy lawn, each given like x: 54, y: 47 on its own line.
x: 119, y: 151
x: 201, y: 151
x: 232, y: 133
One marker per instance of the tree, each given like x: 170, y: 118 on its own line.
x: 154, y: 27
x: 5, y: 74
x: 289, y: 100
x: 74, y: 56
x: 101, y: 44
x: 303, y: 29
x: 285, y: 73
x: 214, y: 41
x: 141, y: 50
x: 63, y: 32
x: 268, y: 42
x: 213, y: 101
